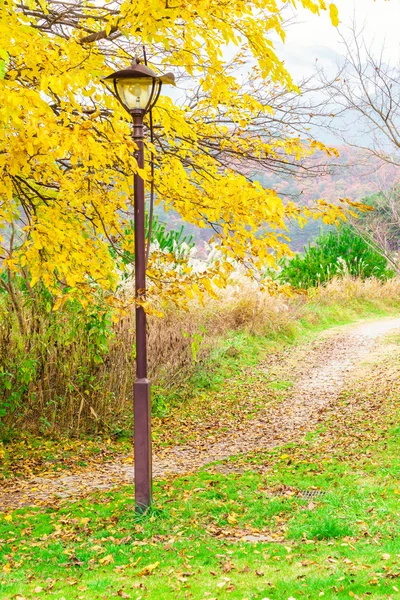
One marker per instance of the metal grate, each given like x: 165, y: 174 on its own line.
x: 311, y: 493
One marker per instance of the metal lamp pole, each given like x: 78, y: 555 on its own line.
x: 138, y: 88
x: 141, y: 393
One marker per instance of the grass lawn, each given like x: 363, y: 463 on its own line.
x: 316, y: 519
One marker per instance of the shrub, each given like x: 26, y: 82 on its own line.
x: 336, y: 253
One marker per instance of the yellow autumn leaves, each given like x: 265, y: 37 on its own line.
x: 66, y: 156
x: 334, y: 14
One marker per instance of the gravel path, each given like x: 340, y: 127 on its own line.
x: 320, y: 374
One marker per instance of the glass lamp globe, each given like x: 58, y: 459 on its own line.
x: 135, y: 93
x: 138, y: 87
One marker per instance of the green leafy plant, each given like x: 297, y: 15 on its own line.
x: 170, y: 240
x: 336, y: 253
x: 196, y: 341
x: 173, y: 241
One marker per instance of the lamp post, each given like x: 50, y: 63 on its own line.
x: 138, y: 88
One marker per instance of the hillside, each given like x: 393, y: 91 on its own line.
x: 353, y: 175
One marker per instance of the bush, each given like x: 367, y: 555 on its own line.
x: 337, y: 253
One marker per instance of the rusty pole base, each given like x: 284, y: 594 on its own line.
x: 142, y: 445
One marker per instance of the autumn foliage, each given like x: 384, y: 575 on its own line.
x: 66, y: 156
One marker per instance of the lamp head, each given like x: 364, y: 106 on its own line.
x: 138, y: 87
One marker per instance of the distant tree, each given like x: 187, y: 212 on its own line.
x: 364, y: 98
x: 381, y: 228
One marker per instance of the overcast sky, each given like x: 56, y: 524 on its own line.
x: 312, y: 37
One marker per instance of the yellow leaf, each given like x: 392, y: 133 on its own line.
x: 106, y: 560
x: 149, y: 569
x: 208, y: 286
x: 8, y: 517
x: 232, y: 519
x: 334, y: 14
x: 58, y: 303
x: 189, y: 293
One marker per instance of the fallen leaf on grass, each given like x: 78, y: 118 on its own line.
x: 227, y: 566
x: 124, y: 540
x: 224, y: 582
x: 149, y: 569
x: 106, y: 560
x: 7, y: 568
x: 232, y: 519
x: 120, y: 568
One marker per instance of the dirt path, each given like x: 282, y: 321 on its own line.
x: 320, y: 375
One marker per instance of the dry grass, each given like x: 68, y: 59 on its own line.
x: 349, y: 288
x: 67, y: 389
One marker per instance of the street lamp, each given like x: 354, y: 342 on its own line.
x: 138, y: 88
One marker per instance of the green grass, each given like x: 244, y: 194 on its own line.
x: 342, y: 543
